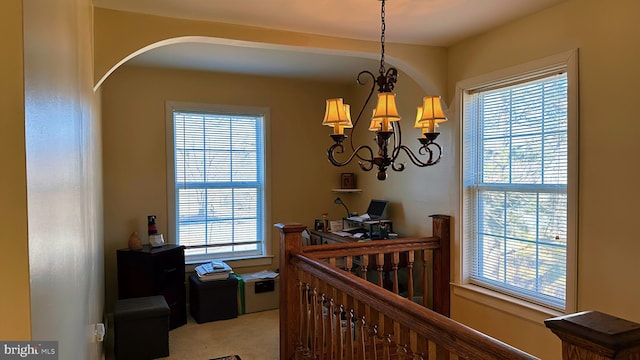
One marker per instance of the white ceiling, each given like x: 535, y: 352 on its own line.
x: 426, y: 22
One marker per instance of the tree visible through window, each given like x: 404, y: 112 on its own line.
x: 515, y: 187
x: 219, y: 184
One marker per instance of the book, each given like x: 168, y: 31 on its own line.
x: 214, y: 270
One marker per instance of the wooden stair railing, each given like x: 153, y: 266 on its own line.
x: 383, y: 325
x: 330, y: 313
x: 320, y: 304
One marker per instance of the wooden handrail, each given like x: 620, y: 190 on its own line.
x: 456, y: 338
x: 371, y: 247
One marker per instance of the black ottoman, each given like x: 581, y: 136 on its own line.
x: 141, y: 328
x: 214, y: 299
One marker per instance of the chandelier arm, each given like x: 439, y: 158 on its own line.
x: 397, y: 139
x: 364, y: 106
x: 355, y: 123
x: 339, y: 149
x: 424, y: 150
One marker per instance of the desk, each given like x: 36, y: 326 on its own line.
x: 326, y: 237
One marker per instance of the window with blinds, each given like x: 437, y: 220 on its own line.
x: 219, y: 184
x: 515, y: 187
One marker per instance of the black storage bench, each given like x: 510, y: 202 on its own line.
x: 213, y: 299
x: 141, y: 328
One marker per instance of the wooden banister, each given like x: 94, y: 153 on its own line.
x: 596, y: 336
x: 290, y: 243
x: 321, y: 303
x: 448, y: 334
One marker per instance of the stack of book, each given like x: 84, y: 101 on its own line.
x: 214, y: 270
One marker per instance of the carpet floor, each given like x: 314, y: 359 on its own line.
x: 252, y: 336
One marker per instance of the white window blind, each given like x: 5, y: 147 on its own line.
x: 219, y: 184
x: 515, y: 178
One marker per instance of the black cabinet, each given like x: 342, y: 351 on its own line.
x: 155, y: 271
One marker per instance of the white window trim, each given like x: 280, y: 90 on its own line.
x: 499, y: 301
x: 170, y: 107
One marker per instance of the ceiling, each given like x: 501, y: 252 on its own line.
x: 424, y: 22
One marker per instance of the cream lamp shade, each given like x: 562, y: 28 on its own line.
x: 386, y: 110
x: 376, y: 124
x: 431, y: 114
x: 337, y: 115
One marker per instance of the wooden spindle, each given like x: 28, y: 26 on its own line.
x: 331, y: 325
x: 340, y: 339
x: 322, y: 326
x: 387, y: 347
x: 349, y: 335
x: 364, y: 267
x: 410, y: 260
x: 348, y: 264
x: 394, y: 267
x: 425, y: 279
x: 361, y: 345
x: 380, y: 263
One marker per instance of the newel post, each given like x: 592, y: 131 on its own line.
x: 442, y: 265
x: 596, y: 336
x: 290, y: 243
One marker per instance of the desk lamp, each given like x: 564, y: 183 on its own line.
x: 339, y: 201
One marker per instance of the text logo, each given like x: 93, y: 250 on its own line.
x: 32, y: 350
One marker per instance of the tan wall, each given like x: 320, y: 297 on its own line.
x: 14, y: 257
x: 606, y: 35
x: 135, y: 153
x: 63, y: 177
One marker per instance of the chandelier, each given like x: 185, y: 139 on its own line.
x: 385, y: 123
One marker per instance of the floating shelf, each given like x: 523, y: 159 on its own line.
x: 347, y: 190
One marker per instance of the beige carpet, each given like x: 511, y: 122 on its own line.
x: 253, y: 336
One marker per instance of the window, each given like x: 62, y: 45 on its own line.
x: 217, y: 180
x: 518, y: 184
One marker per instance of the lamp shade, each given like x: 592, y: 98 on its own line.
x: 335, y: 112
x: 424, y: 126
x: 386, y: 111
x: 376, y: 124
x: 386, y: 107
x: 431, y: 115
x: 337, y: 115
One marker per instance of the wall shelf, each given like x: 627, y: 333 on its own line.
x: 346, y: 190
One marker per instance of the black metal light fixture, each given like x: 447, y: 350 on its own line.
x: 340, y: 202
x: 385, y: 123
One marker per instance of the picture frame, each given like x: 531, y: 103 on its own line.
x: 347, y: 181
x: 318, y: 225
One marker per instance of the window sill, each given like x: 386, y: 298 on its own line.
x: 510, y: 305
x: 235, y: 264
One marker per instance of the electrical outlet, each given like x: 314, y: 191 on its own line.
x: 99, y: 332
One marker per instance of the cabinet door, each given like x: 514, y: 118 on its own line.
x: 175, y: 296
x: 135, y: 275
x: 168, y: 268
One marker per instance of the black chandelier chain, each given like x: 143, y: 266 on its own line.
x: 383, y: 28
